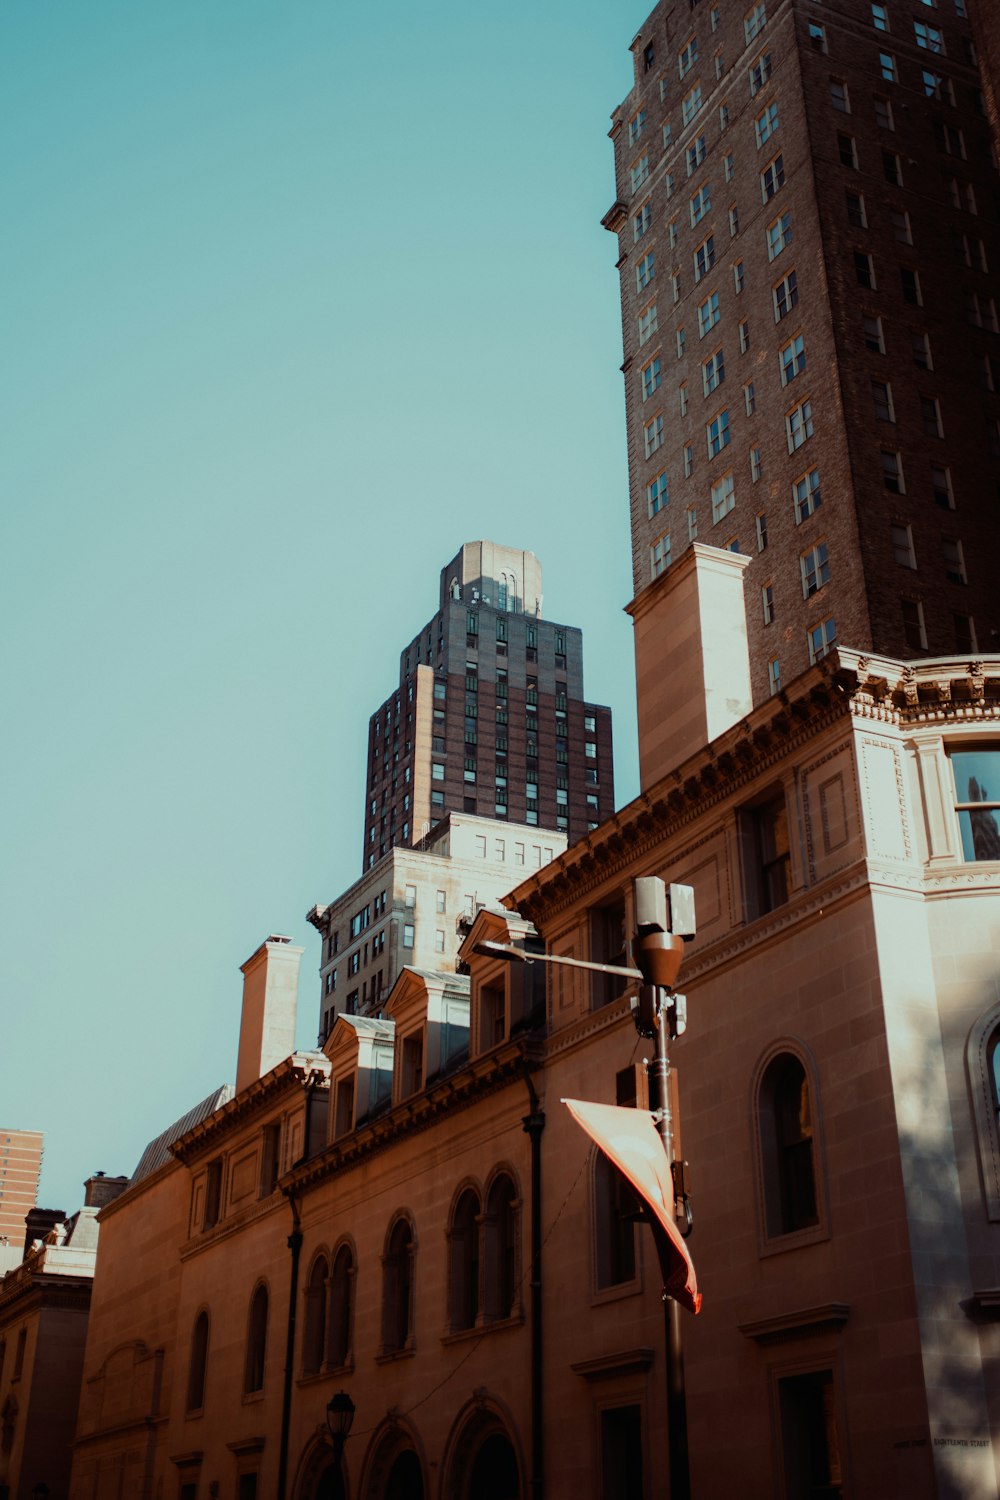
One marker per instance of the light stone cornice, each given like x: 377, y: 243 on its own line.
x: 288, y: 1078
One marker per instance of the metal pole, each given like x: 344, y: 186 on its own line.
x: 679, y: 1468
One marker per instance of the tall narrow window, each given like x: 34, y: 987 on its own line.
x: 314, y: 1331
x: 464, y: 1246
x: 397, y: 1289
x: 614, y: 1225
x: 766, y: 856
x: 786, y: 1146
x: 341, y: 1307
x: 501, y: 1248
x: 198, y: 1365
x: 253, y: 1369
x: 810, y: 1450
x: 621, y: 1453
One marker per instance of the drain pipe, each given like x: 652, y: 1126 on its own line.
x: 295, y: 1249
x: 533, y: 1124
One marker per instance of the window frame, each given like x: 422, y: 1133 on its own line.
x: 770, y: 1242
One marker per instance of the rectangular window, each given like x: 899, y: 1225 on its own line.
x: 792, y: 358
x: 754, y: 21
x: 759, y: 72
x: 806, y: 495
x: 767, y: 603
x: 636, y: 126
x: 976, y: 783
x: 887, y: 67
x: 650, y: 378
x: 652, y: 435
x: 941, y: 488
x: 847, y: 150
x: 765, y: 124
x: 892, y: 169
x: 644, y: 271
x: 882, y: 401
x: 785, y: 296
x: 928, y: 37
x: 760, y: 529
x: 900, y: 221
x: 910, y: 284
x: 820, y: 639
x: 739, y: 276
x: 679, y: 338
x: 749, y: 398
x: 700, y: 204
x: 772, y: 178
x: 779, y: 235
x: 691, y: 104
x: 774, y: 676
x: 729, y: 166
x: 864, y: 270
x: 723, y: 117
x: 798, y: 425
x: 621, y: 1426
x: 856, y: 211
x: 682, y: 398
x: 892, y: 472
x: 708, y: 314
x: 965, y: 633
x: 647, y: 323
x: 930, y: 413
x: 839, y: 96
x: 744, y: 336
x: 723, y: 498
x: 954, y: 560
x: 713, y: 372
x: 937, y: 86
x: 815, y: 569
x: 687, y: 457
x: 883, y: 113
x: 672, y: 234
x: 695, y: 155
x: 659, y: 556
x: 717, y: 434
x: 755, y: 465
x: 880, y: 17
x: 817, y: 37
x: 874, y: 339
x: 639, y: 173
x: 913, y: 624
x: 641, y: 221
x: 734, y: 222
x: 656, y: 494
x: 921, y: 346
x: 810, y: 1444
x: 704, y: 258
x: 902, y: 545
x: 692, y: 523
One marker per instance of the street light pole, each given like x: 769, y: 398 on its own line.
x: 680, y: 1471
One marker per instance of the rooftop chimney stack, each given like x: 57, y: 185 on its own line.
x: 270, y: 996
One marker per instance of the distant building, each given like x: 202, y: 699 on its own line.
x: 44, y: 1305
x: 413, y: 907
x: 807, y: 240
x: 20, y: 1173
x: 489, y: 716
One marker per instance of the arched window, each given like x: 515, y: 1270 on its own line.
x: 198, y: 1365
x: 463, y: 1238
x: 397, y: 1288
x: 788, y: 1164
x: 501, y: 1247
x: 253, y: 1371
x: 341, y: 1302
x: 983, y: 1062
x: 615, y: 1208
x: 314, y: 1332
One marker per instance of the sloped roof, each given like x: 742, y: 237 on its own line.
x: 157, y: 1153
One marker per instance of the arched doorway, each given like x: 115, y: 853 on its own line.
x: 494, y: 1473
x: 405, y: 1481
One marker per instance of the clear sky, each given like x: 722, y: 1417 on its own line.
x: 296, y: 298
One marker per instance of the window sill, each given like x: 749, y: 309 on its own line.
x: 615, y: 1293
x: 250, y: 1398
x: 388, y: 1356
x: 315, y: 1377
x: 479, y: 1330
x: 779, y: 1244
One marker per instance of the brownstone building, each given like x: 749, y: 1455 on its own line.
x: 489, y: 716
x: 806, y: 214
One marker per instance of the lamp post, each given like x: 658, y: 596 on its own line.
x: 339, y: 1416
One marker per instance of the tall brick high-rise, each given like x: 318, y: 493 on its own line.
x: 20, y: 1172
x: 806, y: 214
x: 489, y: 716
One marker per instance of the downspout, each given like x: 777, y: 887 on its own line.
x: 295, y: 1248
x: 533, y: 1124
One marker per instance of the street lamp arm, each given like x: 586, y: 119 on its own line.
x: 509, y: 952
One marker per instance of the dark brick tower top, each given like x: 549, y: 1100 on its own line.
x: 489, y: 716
x: 806, y: 214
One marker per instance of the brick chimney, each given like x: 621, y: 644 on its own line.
x: 101, y: 1189
x: 270, y: 996
x: 692, y: 662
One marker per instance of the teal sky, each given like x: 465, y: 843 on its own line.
x: 296, y: 299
